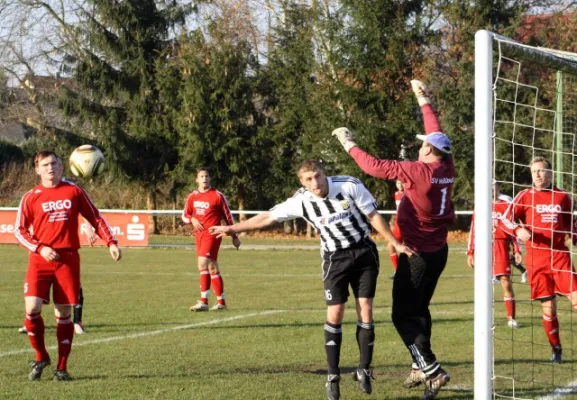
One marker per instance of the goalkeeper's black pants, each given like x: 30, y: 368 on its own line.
x: 413, y: 287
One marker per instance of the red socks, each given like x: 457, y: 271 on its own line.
x: 551, y: 325
x: 35, y: 327
x: 204, y: 285
x: 64, y: 334
x: 510, y: 307
x: 218, y: 288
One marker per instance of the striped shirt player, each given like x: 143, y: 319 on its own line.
x: 339, y: 219
x: 424, y: 214
x: 206, y: 207
x: 342, y: 212
x: 47, y: 226
x: 501, y: 249
x: 542, y: 217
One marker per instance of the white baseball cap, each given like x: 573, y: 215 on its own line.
x: 438, y: 140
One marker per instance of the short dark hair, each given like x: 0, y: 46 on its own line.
x: 199, y: 170
x: 310, y: 166
x: 42, y: 154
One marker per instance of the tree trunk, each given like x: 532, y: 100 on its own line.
x: 309, y: 231
x: 288, y: 227
x: 241, y: 202
x: 151, y: 205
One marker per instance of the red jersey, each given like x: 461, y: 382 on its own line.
x: 426, y: 207
x: 547, y: 214
x: 209, y: 207
x: 499, y: 208
x: 53, y: 214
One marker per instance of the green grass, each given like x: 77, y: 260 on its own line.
x: 269, y: 345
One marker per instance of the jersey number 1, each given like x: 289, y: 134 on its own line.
x: 443, y: 200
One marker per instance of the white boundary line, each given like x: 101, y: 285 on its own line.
x: 150, y: 333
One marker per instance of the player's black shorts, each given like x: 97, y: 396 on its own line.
x: 357, y: 266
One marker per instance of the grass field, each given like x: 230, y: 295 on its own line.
x: 142, y: 342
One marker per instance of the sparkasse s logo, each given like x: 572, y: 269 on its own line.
x: 135, y: 230
x: 7, y: 228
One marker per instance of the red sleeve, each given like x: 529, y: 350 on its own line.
x: 514, y: 212
x: 471, y: 242
x: 24, y: 219
x: 188, y: 211
x: 405, y: 171
x: 430, y: 119
x: 91, y: 214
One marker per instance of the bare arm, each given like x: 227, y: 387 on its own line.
x: 382, y: 227
x: 257, y: 222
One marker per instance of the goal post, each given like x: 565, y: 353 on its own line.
x: 520, y: 113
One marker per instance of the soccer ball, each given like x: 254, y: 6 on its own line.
x: 86, y: 161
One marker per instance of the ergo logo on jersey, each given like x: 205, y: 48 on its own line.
x: 548, y: 208
x: 56, y: 205
x: 201, y: 204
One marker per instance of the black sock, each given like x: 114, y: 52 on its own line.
x: 333, y: 340
x: 366, y: 340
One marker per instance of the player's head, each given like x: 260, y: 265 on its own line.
x: 48, y: 166
x: 400, y: 186
x: 203, y: 178
x: 436, y: 146
x: 541, y: 173
x: 312, y: 176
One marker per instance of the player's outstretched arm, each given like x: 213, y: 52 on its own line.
x: 115, y: 252
x: 382, y: 227
x: 257, y: 222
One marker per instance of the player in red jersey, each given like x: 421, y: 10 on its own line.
x: 396, y: 230
x: 47, y: 226
x: 424, y: 214
x: 546, y: 214
x: 206, y: 207
x: 501, y: 259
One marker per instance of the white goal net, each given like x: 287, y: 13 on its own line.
x: 526, y: 107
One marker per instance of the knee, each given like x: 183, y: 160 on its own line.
x: 213, y: 268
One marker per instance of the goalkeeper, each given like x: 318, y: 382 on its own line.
x: 424, y: 214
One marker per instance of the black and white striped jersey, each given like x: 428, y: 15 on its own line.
x: 339, y: 218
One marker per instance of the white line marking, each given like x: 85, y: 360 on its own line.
x: 150, y: 333
x: 561, y: 392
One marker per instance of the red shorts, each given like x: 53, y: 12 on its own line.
x: 397, y: 231
x: 63, y: 275
x: 501, y: 261
x: 550, y: 273
x: 207, y: 245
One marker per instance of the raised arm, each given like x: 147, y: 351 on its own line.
x: 257, y: 222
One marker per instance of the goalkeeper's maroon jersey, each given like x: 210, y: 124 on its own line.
x: 210, y: 208
x: 548, y: 214
x: 49, y: 217
x: 426, y: 209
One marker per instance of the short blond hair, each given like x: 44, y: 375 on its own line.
x: 310, y: 166
x: 540, y: 160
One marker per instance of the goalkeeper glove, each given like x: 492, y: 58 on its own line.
x: 420, y: 91
x: 345, y: 137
